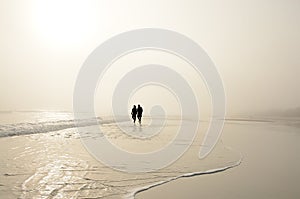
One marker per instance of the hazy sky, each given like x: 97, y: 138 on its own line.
x: 255, y: 45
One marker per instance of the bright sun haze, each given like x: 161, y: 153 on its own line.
x: 255, y: 48
x: 64, y: 22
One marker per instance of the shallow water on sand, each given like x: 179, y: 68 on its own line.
x: 57, y: 165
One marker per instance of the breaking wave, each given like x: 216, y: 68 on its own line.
x: 47, y: 126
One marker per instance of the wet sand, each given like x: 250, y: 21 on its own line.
x: 57, y: 165
x: 270, y: 166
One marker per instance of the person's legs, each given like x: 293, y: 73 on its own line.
x: 134, y: 118
x: 139, y: 117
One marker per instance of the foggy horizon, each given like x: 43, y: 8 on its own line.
x: 255, y: 48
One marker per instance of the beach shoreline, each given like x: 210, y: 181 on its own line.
x: 270, y: 167
x: 57, y: 163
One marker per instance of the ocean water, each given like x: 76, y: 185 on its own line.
x: 27, y: 122
x: 45, y: 158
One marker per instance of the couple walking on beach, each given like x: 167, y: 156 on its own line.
x: 136, y: 112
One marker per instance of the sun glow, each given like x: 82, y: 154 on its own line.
x: 64, y: 22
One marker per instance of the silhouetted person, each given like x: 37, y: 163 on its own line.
x: 139, y: 113
x: 133, y: 113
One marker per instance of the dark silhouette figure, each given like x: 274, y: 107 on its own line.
x: 139, y: 113
x: 133, y: 113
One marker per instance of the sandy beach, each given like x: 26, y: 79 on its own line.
x: 57, y: 165
x: 253, y: 159
x: 270, y: 166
